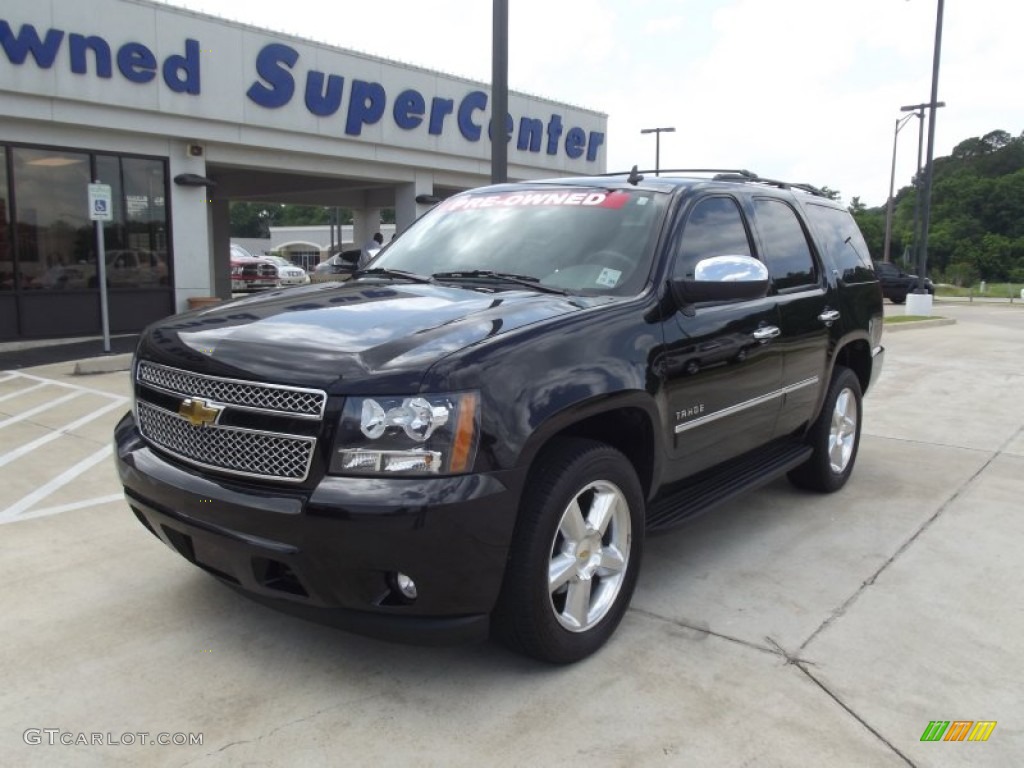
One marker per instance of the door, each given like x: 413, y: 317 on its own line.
x: 721, y: 364
x: 805, y: 311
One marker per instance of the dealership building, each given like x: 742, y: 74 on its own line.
x: 181, y: 114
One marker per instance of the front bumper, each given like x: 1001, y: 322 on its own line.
x: 330, y: 553
x: 258, y: 284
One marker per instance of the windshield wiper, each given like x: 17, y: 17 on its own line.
x: 385, y: 272
x: 528, y: 281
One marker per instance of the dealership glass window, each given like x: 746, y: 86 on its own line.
x: 136, y: 240
x: 6, y: 254
x: 56, y: 248
x: 108, y: 171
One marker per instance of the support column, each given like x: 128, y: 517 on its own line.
x: 365, y: 222
x: 407, y: 210
x: 220, y: 248
x: 191, y: 225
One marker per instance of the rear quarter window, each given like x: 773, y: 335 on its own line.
x: 842, y: 241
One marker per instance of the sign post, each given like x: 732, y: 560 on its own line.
x: 100, y: 210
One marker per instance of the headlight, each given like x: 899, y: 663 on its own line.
x: 417, y: 435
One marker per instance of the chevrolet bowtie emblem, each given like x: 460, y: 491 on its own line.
x: 198, y: 413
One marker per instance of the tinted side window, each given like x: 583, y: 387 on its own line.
x: 843, y: 242
x: 713, y: 228
x: 786, y: 251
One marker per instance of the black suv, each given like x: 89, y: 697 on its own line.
x: 896, y: 283
x: 476, y: 432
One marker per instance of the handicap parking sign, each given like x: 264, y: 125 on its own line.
x: 100, y: 208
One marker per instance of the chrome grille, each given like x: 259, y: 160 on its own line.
x: 295, y: 401
x: 266, y: 455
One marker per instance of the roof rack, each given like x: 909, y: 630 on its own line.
x: 722, y: 174
x: 810, y: 189
x: 681, y: 170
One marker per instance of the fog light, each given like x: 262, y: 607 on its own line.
x: 406, y: 586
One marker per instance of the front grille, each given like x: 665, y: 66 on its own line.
x: 259, y: 270
x: 266, y: 455
x: 250, y: 451
x: 294, y: 401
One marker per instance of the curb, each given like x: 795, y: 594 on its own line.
x: 930, y: 323
x: 105, y: 364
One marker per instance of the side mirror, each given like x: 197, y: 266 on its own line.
x: 352, y: 257
x: 722, y: 278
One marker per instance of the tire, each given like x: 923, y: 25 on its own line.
x: 898, y: 300
x: 835, y: 436
x: 581, y: 519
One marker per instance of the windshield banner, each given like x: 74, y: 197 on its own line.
x: 562, y: 197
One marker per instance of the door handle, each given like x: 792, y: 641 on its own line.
x: 768, y: 332
x: 829, y: 316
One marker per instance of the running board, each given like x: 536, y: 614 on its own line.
x: 725, y: 483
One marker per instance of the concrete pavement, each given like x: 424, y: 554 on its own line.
x: 784, y: 629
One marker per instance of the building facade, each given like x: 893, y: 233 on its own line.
x: 182, y: 113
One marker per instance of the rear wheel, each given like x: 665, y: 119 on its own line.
x: 575, y: 555
x: 835, y: 436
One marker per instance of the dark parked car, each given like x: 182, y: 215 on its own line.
x: 475, y: 434
x: 896, y: 283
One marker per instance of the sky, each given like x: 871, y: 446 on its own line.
x: 800, y: 90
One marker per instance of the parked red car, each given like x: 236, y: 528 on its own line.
x: 254, y: 273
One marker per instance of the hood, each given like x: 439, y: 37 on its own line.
x: 336, y: 335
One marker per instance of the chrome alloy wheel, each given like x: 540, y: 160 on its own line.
x: 842, y: 436
x: 589, y: 556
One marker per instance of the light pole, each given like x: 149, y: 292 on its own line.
x: 499, y: 92
x: 657, y: 144
x: 900, y: 122
x: 926, y: 209
x: 919, y: 110
x: 915, y: 110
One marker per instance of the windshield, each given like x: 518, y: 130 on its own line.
x: 585, y: 240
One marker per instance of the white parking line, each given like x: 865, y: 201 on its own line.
x: 70, y: 507
x: 39, y: 408
x: 17, y: 453
x: 58, y: 383
x: 21, y: 391
x: 65, y: 477
x: 8, y: 377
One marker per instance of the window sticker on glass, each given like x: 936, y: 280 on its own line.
x: 609, y: 278
x: 562, y: 197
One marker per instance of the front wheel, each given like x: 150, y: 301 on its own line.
x: 835, y: 436
x: 575, y: 554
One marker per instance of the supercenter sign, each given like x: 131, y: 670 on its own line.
x: 282, y: 76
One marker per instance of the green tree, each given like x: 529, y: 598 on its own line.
x: 993, y: 257
x: 251, y: 219
x: 977, y: 211
x: 303, y: 215
x: 256, y: 219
